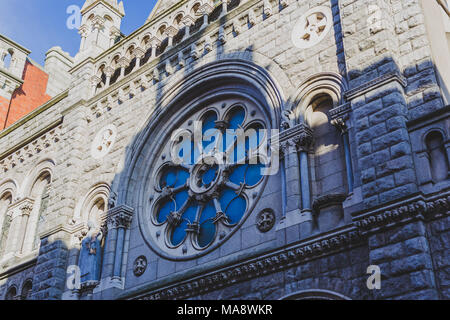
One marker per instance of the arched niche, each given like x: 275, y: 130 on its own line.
x: 94, y: 205
x: 329, y: 162
x: 11, y: 293
x: 437, y: 156
x: 26, y: 289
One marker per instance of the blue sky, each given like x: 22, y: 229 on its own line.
x: 39, y: 25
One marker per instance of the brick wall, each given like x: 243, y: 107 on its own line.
x: 29, y: 96
x: 4, y: 104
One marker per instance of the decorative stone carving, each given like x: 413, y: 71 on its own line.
x: 139, y: 266
x: 21, y: 156
x: 265, y: 220
x: 103, y: 142
x: 282, y: 259
x: 418, y: 208
x: 312, y: 27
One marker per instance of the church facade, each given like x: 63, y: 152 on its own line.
x: 231, y: 149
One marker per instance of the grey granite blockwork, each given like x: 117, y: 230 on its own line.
x: 353, y: 97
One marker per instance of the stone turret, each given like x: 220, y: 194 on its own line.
x: 100, y: 26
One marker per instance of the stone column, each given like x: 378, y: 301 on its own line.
x: 26, y: 210
x: 205, y: 9
x: 155, y: 43
x: 119, y: 220
x: 113, y: 35
x: 97, y: 23
x: 94, y: 83
x: 341, y: 125
x: 295, y: 143
x: 187, y: 22
x: 303, y: 141
x: 139, y: 53
x: 170, y: 32
x: 108, y: 72
x: 83, y: 31
x: 123, y: 63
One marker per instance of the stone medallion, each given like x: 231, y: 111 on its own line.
x: 265, y: 220
x: 139, y: 266
x: 103, y: 142
x: 312, y: 27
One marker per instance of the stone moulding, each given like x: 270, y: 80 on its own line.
x: 375, y: 83
x: 328, y: 199
x: 267, y: 264
x: 417, y: 208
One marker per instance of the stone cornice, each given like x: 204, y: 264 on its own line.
x: 375, y: 83
x: 9, y: 76
x: 32, y: 138
x: 15, y: 44
x: 19, y: 268
x: 256, y: 267
x: 419, y: 207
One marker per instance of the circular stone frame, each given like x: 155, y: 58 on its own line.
x: 302, y: 23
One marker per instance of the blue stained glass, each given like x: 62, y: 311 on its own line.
x: 237, y: 176
x: 173, y: 178
x: 236, y: 118
x: 232, y: 205
x: 179, y: 234
x: 209, y: 122
x: 166, y: 208
x: 181, y: 198
x: 236, y: 210
x: 207, y: 227
x: 253, y: 175
x: 209, y: 132
x: 254, y: 137
x: 210, y: 175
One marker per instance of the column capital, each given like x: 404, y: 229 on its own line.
x: 155, y: 41
x: 139, y: 52
x: 83, y: 30
x: 170, y: 31
x: 95, y: 80
x: 340, y: 124
x: 109, y: 71
x: 205, y: 8
x: 187, y: 20
x: 124, y: 62
x: 120, y: 217
x: 300, y: 136
x: 21, y: 208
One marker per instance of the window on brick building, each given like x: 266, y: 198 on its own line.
x: 437, y: 156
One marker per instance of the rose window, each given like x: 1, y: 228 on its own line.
x: 207, y: 178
